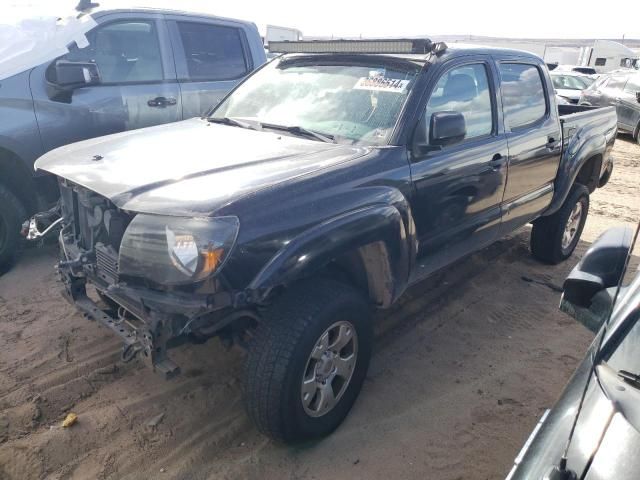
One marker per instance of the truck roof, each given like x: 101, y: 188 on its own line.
x: 416, y: 50
x: 459, y: 49
x: 98, y: 11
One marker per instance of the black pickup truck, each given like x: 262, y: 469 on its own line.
x: 322, y: 186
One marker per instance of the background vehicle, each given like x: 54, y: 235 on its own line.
x: 274, y: 33
x: 620, y: 90
x: 607, y: 422
x: 585, y: 70
x: 140, y: 68
x: 569, y: 85
x: 607, y: 55
x: 322, y: 186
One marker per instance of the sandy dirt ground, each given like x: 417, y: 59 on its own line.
x: 463, y: 368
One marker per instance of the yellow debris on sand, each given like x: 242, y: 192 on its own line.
x: 69, y: 420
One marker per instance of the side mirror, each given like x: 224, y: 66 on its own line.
x: 75, y: 74
x: 585, y: 295
x: 446, y: 128
x: 638, y: 97
x: 600, y: 268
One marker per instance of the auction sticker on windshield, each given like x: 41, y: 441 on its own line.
x: 381, y: 84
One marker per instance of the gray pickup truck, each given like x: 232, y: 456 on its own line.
x: 324, y: 185
x: 140, y: 68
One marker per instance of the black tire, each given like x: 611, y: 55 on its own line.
x: 279, y: 356
x: 547, y: 233
x: 12, y: 214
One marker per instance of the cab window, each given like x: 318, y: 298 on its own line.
x: 464, y: 90
x: 524, y: 99
x: 213, y: 52
x: 617, y: 82
x: 125, y: 52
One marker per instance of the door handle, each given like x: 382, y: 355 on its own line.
x: 551, y: 143
x: 496, y: 162
x: 161, y: 102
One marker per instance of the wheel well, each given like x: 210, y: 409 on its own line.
x: 367, y: 269
x: 589, y: 174
x: 17, y: 178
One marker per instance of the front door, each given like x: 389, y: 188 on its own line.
x: 135, y: 89
x: 459, y: 188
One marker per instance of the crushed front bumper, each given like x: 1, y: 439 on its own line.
x: 148, y: 322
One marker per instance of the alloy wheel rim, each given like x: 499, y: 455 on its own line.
x: 329, y: 369
x: 571, y: 228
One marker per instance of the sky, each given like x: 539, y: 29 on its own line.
x: 497, y: 18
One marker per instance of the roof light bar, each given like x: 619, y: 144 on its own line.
x: 420, y: 45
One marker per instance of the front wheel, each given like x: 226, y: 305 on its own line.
x: 554, y: 238
x: 308, y: 360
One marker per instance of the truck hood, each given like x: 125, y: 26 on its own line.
x: 189, y: 168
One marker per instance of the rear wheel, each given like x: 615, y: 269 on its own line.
x: 307, y: 360
x: 12, y: 214
x: 554, y: 238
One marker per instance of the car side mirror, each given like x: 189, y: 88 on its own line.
x: 64, y: 77
x: 584, y: 292
x: 638, y: 97
x: 76, y: 74
x: 447, y: 128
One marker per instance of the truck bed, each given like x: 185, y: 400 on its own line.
x: 574, y: 117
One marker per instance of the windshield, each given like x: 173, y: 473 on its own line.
x: 569, y: 82
x: 351, y: 101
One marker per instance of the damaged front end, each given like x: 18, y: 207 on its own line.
x: 155, y: 274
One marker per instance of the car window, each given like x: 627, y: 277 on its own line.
x: 617, y: 82
x: 523, y: 96
x: 125, y: 52
x: 213, y: 52
x: 601, y: 62
x: 568, y: 82
x: 633, y: 85
x: 626, y: 356
x: 600, y: 82
x: 464, y: 90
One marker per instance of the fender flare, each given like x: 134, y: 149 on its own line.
x: 378, y: 232
x: 576, y: 156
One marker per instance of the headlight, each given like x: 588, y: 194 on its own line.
x: 176, y: 250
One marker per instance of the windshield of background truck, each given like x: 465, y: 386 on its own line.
x: 354, y: 101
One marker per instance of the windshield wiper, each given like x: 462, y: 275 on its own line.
x: 297, y: 130
x: 234, y: 122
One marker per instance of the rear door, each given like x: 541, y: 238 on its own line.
x: 137, y: 85
x: 212, y: 56
x: 534, y: 138
x: 459, y: 188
